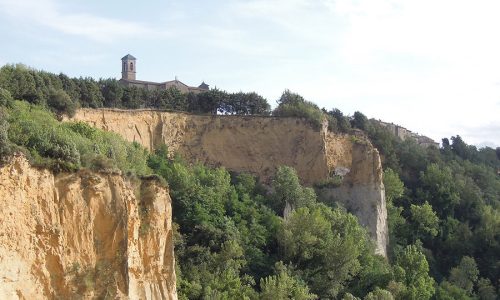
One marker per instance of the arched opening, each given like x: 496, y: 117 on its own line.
x: 131, y: 66
x: 124, y: 67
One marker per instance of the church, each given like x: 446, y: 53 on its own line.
x: 129, y: 69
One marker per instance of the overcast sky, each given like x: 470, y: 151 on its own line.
x: 430, y: 66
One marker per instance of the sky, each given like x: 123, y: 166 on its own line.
x: 430, y: 66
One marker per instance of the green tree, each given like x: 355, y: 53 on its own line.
x: 424, y: 220
x: 90, y: 93
x: 349, y: 296
x: 386, y: 143
x: 412, y: 270
x: 112, y: 92
x: 70, y: 86
x: 394, y: 187
x: 337, y: 122
x: 60, y: 102
x: 465, y: 275
x: 283, y: 286
x: 360, y: 121
x: 288, y: 191
x: 461, y: 149
x: 485, y: 290
x: 5, y: 97
x: 294, y: 105
x: 413, y: 160
x: 325, y: 246
x: 18, y: 80
x: 379, y: 294
x: 5, y: 146
x: 132, y: 97
x: 440, y: 189
x: 449, y: 291
x: 375, y: 273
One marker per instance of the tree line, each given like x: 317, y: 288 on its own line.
x: 64, y: 95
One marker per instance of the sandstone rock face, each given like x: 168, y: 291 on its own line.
x: 83, y: 235
x: 362, y: 193
x: 253, y: 144
x: 259, y: 145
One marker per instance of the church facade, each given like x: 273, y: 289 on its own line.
x: 129, y: 70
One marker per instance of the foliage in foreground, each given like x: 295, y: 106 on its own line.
x: 66, y: 146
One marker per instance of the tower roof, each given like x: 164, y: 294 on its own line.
x: 203, y: 85
x: 128, y: 57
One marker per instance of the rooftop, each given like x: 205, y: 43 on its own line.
x: 128, y: 57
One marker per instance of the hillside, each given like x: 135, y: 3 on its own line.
x: 259, y: 145
x: 297, y: 203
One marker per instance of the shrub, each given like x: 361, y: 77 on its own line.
x: 337, y: 122
x: 60, y: 102
x: 5, y: 97
x: 293, y: 105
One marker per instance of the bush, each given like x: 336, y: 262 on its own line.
x: 337, y: 122
x: 60, y: 102
x: 293, y: 105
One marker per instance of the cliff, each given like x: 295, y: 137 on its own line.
x: 83, y: 235
x: 252, y: 144
x: 362, y: 192
x: 258, y: 145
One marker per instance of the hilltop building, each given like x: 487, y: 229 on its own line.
x: 129, y: 70
x: 404, y: 134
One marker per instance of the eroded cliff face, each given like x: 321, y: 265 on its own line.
x: 362, y: 192
x: 253, y: 144
x: 83, y: 235
x: 259, y: 145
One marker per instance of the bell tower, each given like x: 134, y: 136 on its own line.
x: 128, y: 67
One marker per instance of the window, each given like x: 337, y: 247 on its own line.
x: 131, y: 66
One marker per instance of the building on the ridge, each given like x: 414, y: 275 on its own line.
x: 129, y: 70
x: 404, y: 134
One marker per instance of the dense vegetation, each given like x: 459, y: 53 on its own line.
x: 447, y: 201
x: 232, y: 239
x: 294, y: 105
x: 33, y: 130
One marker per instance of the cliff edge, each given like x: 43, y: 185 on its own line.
x: 83, y: 235
x: 258, y: 145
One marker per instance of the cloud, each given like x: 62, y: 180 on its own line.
x: 47, y: 14
x: 485, y: 134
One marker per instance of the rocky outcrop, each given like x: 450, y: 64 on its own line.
x: 362, y: 193
x: 259, y: 145
x: 83, y: 235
